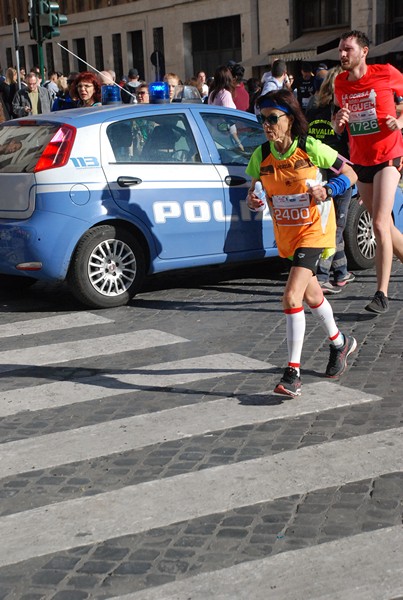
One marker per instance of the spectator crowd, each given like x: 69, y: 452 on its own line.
x: 59, y: 91
x: 315, y: 92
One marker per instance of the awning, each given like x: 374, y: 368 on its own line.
x: 307, y: 46
x: 332, y: 54
x: 259, y: 60
x: 389, y: 47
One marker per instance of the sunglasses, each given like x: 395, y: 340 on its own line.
x: 271, y: 119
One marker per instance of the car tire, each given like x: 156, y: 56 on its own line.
x: 107, y: 268
x: 359, y: 237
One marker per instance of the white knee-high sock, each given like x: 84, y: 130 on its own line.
x: 295, y: 335
x: 323, y: 313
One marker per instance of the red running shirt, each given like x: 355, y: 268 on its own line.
x: 370, y: 99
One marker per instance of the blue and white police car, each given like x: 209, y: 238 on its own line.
x: 101, y: 197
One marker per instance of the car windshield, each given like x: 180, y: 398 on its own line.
x: 22, y: 145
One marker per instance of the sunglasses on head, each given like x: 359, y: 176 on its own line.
x: 271, y: 119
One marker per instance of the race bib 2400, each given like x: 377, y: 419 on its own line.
x: 292, y: 210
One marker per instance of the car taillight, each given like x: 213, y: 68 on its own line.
x: 57, y: 152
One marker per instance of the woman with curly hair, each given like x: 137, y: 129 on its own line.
x: 86, y: 88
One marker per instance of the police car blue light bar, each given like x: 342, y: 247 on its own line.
x: 159, y: 92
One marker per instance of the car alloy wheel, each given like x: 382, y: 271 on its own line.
x: 112, y: 267
x: 108, y: 267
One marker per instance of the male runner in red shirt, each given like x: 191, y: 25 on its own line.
x: 366, y: 97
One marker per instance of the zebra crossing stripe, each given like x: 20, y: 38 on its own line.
x: 148, y: 505
x: 161, y: 375
x: 58, y: 322
x: 51, y: 354
x: 143, y: 430
x: 367, y: 566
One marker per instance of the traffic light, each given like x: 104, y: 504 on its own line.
x: 49, y: 19
x: 33, y: 19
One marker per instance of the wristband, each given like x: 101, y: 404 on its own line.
x: 339, y: 185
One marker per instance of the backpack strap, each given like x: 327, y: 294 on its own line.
x: 265, y: 150
x: 302, y: 142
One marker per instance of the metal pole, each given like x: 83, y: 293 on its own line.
x: 41, y: 64
x: 17, y: 50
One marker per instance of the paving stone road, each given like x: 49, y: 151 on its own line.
x: 144, y: 457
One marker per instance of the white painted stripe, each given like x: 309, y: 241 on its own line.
x: 59, y: 322
x: 51, y: 354
x: 138, y: 508
x: 136, y: 432
x: 160, y: 375
x: 367, y: 566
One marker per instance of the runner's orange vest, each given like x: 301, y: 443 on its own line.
x: 298, y: 221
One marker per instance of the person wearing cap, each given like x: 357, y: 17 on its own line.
x: 130, y: 86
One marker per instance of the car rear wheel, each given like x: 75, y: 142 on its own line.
x: 108, y: 267
x: 359, y: 237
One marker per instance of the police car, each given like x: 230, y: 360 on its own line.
x: 101, y: 197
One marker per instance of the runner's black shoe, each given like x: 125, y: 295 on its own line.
x: 338, y: 357
x: 379, y: 304
x: 289, y: 384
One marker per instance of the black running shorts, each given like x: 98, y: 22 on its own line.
x: 308, y: 258
x: 367, y: 174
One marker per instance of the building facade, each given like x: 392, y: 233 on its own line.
x: 185, y: 36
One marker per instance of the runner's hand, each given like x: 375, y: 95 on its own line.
x: 341, y: 119
x: 318, y: 193
x: 393, y: 123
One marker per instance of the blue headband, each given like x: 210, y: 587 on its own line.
x: 268, y: 103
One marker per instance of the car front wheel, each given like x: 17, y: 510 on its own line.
x: 108, y: 267
x: 359, y: 237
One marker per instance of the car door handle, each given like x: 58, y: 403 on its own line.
x: 233, y: 180
x: 128, y: 181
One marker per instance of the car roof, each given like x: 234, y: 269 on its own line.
x: 83, y: 117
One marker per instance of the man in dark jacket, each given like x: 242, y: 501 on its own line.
x: 32, y: 100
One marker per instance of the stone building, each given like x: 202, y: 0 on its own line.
x: 185, y: 36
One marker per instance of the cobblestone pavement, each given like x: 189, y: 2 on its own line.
x: 50, y: 342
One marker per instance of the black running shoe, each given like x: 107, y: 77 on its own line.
x: 290, y: 383
x: 379, y: 304
x: 338, y: 357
